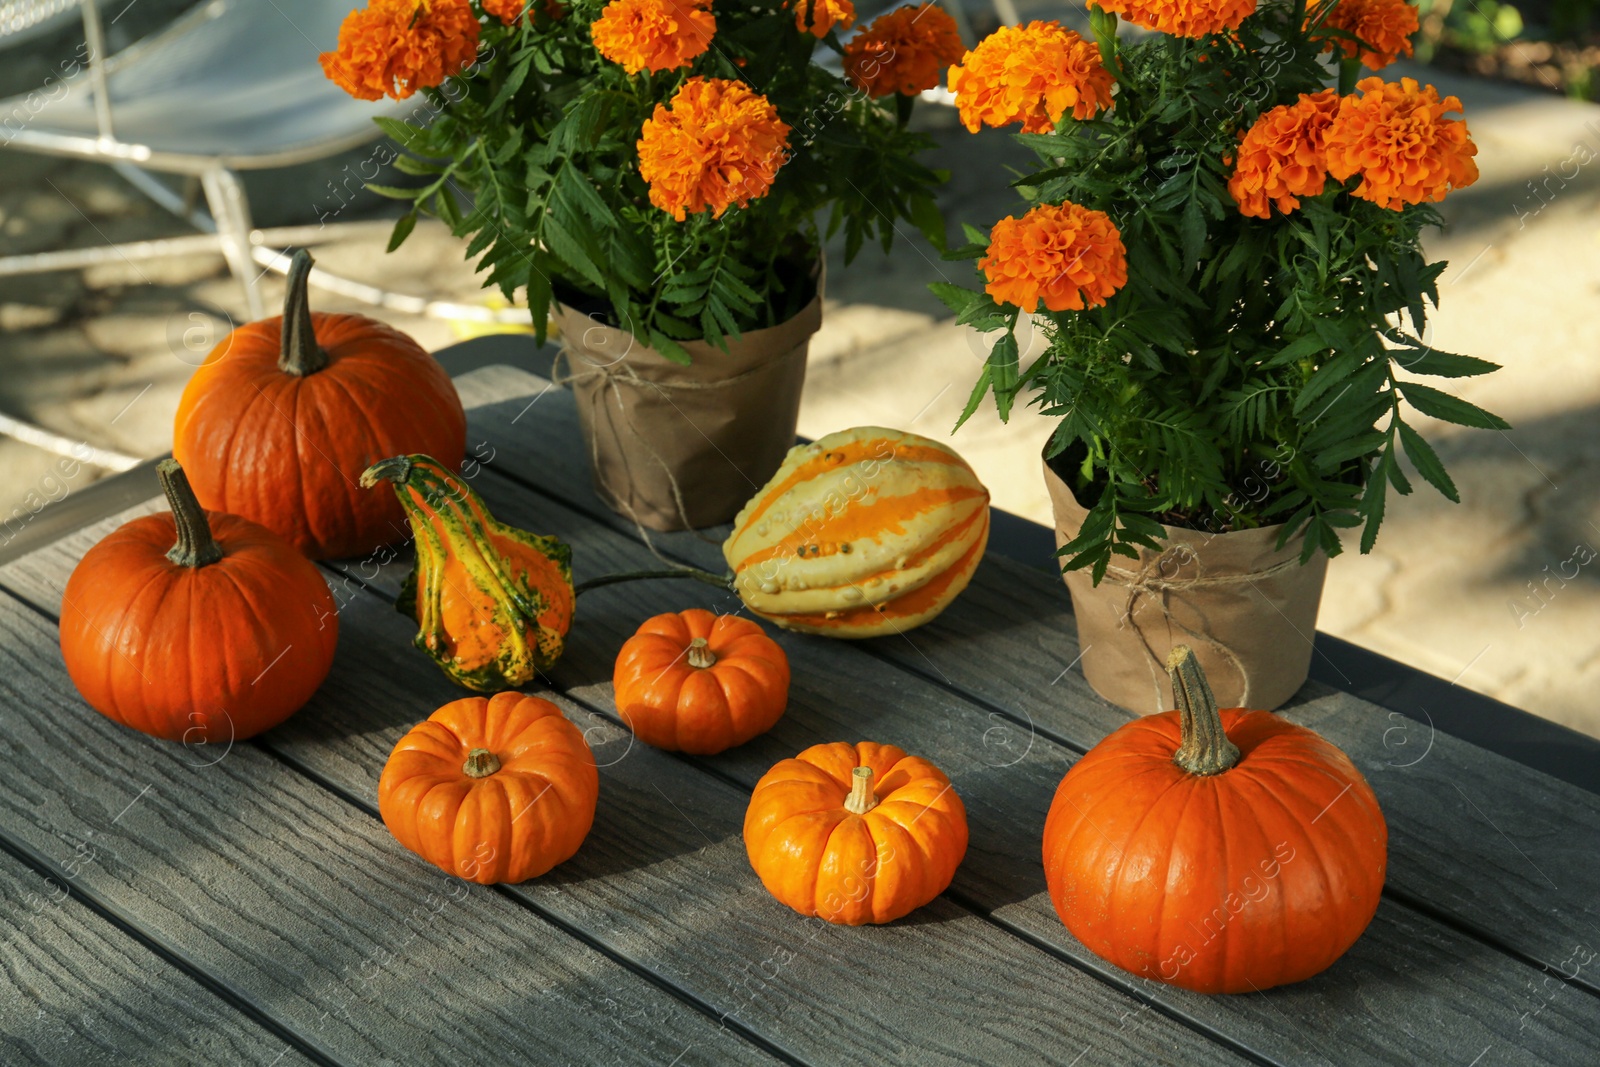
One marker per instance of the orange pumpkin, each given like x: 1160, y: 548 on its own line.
x: 197, y: 628
x: 855, y: 833
x: 1221, y: 851
x: 862, y: 533
x: 493, y: 602
x: 696, y: 682
x: 491, y: 789
x: 284, y: 415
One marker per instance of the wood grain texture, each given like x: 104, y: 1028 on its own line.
x: 80, y: 991
x: 1383, y: 982
x: 663, y: 879
x: 1480, y: 839
x: 302, y: 904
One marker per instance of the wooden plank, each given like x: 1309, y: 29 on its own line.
x: 663, y: 880
x: 1477, y: 839
x: 301, y: 904
x: 81, y: 991
x: 1384, y: 954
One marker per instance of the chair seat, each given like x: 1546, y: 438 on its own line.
x: 242, y: 85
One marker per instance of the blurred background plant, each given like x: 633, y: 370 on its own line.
x: 1550, y: 44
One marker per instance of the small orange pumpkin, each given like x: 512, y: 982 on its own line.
x: 491, y: 789
x: 198, y: 628
x: 695, y: 682
x: 1221, y: 851
x: 286, y: 413
x: 855, y: 833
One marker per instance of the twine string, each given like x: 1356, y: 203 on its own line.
x: 1149, y: 581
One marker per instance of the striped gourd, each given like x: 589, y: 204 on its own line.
x: 864, y: 532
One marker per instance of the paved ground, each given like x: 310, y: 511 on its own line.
x: 1499, y: 593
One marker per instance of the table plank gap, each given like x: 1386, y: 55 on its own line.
x: 264, y: 883
x: 1006, y: 642
x: 86, y: 991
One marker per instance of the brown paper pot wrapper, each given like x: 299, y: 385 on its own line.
x: 1248, y: 609
x: 716, y: 429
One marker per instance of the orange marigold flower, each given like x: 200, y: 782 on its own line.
x: 903, y: 51
x: 1033, y: 74
x: 817, y: 17
x: 1281, y: 157
x: 654, y: 34
x: 1183, y: 18
x: 395, y: 47
x: 509, y: 11
x: 1068, y: 256
x: 1397, y: 138
x: 1384, y: 26
x: 716, y: 145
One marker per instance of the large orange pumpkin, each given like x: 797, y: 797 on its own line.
x: 696, y: 682
x: 491, y: 789
x: 1221, y: 851
x: 861, y: 533
x: 855, y: 833
x: 197, y: 628
x: 493, y: 603
x: 284, y: 415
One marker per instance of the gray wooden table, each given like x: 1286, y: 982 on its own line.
x: 166, y: 904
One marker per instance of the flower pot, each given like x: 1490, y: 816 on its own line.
x: 676, y: 447
x: 1246, y: 607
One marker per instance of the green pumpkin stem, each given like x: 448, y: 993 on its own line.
x: 721, y: 581
x: 300, y: 355
x: 700, y: 655
x: 861, y: 799
x: 1205, y: 748
x: 481, y: 763
x: 195, y: 547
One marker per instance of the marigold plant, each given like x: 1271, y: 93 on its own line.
x: 1380, y: 31
x: 654, y: 35
x: 903, y: 51
x: 1030, y: 74
x: 1224, y: 256
x: 671, y: 167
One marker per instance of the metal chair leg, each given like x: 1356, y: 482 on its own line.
x: 230, y: 209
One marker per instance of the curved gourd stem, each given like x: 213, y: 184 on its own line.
x: 195, y: 547
x: 1205, y: 748
x: 300, y: 354
x: 481, y: 763
x: 861, y: 799
x: 721, y: 581
x: 700, y: 654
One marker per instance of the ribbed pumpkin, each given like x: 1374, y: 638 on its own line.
x: 1221, y: 851
x: 864, y: 532
x: 855, y: 833
x: 198, y: 628
x: 695, y: 682
x: 285, y: 414
x: 497, y: 789
x: 493, y: 603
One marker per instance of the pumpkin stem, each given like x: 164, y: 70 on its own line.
x: 1205, y: 748
x: 300, y: 354
x: 396, y: 469
x: 700, y: 654
x: 481, y: 763
x: 195, y: 546
x: 861, y: 799
x: 721, y: 581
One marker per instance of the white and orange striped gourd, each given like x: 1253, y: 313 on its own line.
x: 862, y: 533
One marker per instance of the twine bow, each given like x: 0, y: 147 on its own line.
x: 1151, y: 580
x: 613, y: 376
